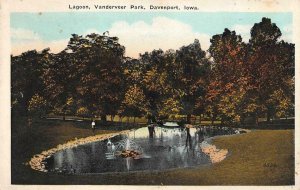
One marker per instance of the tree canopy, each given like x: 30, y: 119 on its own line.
x: 232, y: 81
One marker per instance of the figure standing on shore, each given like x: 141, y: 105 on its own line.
x: 93, y: 126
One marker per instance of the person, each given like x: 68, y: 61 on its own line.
x: 93, y: 125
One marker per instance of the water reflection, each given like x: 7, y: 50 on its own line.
x: 162, y: 148
x: 128, y: 160
x: 188, y: 141
x: 151, y: 131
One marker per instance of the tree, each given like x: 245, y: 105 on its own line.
x: 91, y: 77
x: 37, y: 106
x: 270, y: 67
x: 170, y: 108
x: 99, y: 60
x: 134, y: 103
x: 155, y: 81
x: 227, y: 88
x: 60, y: 79
x: 192, y: 68
x: 26, y: 78
x: 283, y: 103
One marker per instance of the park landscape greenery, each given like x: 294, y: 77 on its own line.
x: 233, y: 81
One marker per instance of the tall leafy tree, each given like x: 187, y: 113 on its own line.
x: 227, y: 81
x: 270, y: 67
x: 135, y: 103
x: 99, y: 60
x: 26, y: 78
x: 155, y: 80
x: 60, y: 79
x: 192, y: 69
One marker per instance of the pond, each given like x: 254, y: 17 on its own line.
x: 147, y: 148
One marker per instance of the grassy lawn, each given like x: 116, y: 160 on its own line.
x: 262, y: 157
x: 43, y: 135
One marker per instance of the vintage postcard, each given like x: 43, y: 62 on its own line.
x: 152, y: 93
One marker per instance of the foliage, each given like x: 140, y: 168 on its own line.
x: 227, y: 83
x: 134, y: 103
x: 170, y: 108
x: 27, y: 80
x: 232, y: 81
x: 60, y: 83
x: 37, y: 106
x: 270, y: 67
x: 192, y: 68
x: 99, y: 60
x: 82, y: 111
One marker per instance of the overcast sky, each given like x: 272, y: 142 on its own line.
x: 137, y: 32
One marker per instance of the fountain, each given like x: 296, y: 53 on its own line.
x: 125, y: 148
x: 110, y: 146
x: 140, y: 151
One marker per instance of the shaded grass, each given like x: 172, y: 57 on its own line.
x: 262, y: 157
x: 47, y: 134
x: 42, y: 135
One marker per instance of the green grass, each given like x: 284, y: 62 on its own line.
x: 257, y: 158
x: 42, y: 135
x: 262, y: 157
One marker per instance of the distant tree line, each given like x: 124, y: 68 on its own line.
x: 232, y: 81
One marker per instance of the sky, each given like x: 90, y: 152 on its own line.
x: 137, y: 32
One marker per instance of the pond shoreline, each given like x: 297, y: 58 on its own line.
x: 37, y: 162
x: 265, y: 147
x: 217, y: 155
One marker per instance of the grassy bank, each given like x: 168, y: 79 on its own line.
x: 262, y: 157
x: 257, y: 158
x: 42, y: 135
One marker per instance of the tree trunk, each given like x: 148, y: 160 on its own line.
x: 268, y: 116
x: 120, y: 119
x: 112, y: 118
x: 256, y: 120
x: 29, y: 122
x: 200, y: 119
x: 134, y: 119
x: 212, y: 119
x: 103, y: 118
x: 242, y: 120
x: 188, y: 118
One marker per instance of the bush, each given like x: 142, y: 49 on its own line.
x: 37, y: 106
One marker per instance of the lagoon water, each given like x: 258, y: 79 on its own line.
x: 161, y: 149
